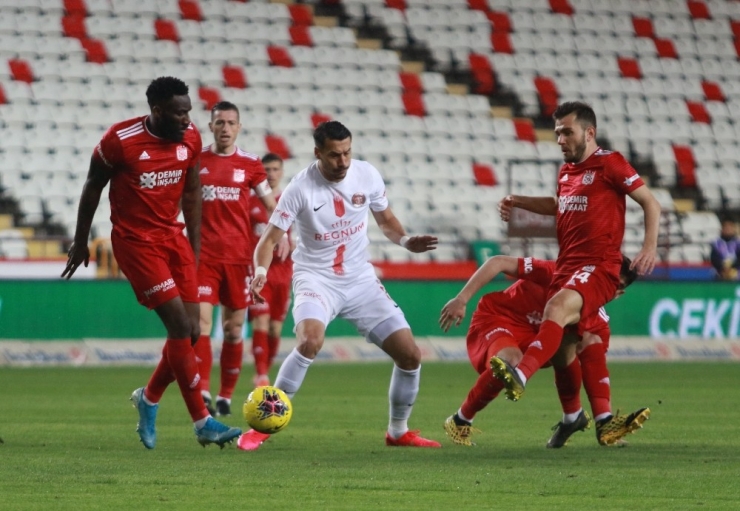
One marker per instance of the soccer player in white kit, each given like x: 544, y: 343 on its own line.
x: 329, y: 202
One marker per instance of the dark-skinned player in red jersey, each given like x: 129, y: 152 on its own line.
x: 152, y: 165
x: 589, y: 210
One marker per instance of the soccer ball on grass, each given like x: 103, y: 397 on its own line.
x: 267, y: 409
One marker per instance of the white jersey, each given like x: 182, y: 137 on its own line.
x: 331, y: 218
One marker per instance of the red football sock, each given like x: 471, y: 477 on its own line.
x: 261, y: 351
x: 182, y: 361
x: 204, y: 357
x: 568, y: 382
x: 596, y: 378
x: 231, y: 366
x: 160, y: 379
x: 542, y: 348
x: 273, y: 344
x: 485, y: 390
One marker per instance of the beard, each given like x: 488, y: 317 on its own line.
x: 578, y: 152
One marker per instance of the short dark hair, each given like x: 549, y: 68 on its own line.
x: 584, y: 113
x: 629, y: 275
x: 162, y: 89
x: 223, y: 106
x: 332, y: 130
x: 271, y: 157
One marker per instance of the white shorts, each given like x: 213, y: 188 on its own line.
x: 362, y: 300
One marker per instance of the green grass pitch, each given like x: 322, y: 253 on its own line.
x: 69, y: 443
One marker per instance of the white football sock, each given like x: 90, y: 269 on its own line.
x: 460, y: 414
x: 401, y: 396
x: 291, y: 373
x: 521, y: 375
x: 202, y: 422
x: 602, y: 416
x: 570, y: 418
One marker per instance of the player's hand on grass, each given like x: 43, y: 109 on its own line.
x: 255, y: 286
x: 505, y: 206
x: 644, y: 262
x: 452, y: 313
x: 418, y: 244
x: 77, y: 255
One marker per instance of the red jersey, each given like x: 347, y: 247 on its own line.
x: 148, y: 178
x: 591, y: 207
x: 227, y: 181
x: 280, y: 271
x: 540, y: 272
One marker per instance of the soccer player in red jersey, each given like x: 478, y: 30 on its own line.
x: 152, y: 165
x: 268, y: 317
x: 228, y: 175
x: 503, y: 325
x: 589, y: 210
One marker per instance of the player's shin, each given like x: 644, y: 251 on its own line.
x: 292, y: 372
x: 204, y: 358
x: 568, y: 382
x: 541, y: 349
x: 485, y: 390
x: 596, y: 379
x: 261, y: 352
x: 160, y: 379
x: 182, y: 361
x: 231, y: 365
x: 401, y: 396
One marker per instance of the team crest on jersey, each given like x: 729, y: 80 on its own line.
x: 239, y: 175
x: 588, y: 177
x: 358, y: 200
x: 182, y: 153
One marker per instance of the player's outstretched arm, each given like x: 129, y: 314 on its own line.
x: 394, y: 231
x: 644, y: 262
x: 98, y: 176
x: 454, y: 311
x: 542, y: 205
x: 192, y: 206
x: 263, y: 258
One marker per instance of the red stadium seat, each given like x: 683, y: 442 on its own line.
x: 698, y: 10
x: 301, y: 15
x: 95, y: 49
x: 300, y: 36
x: 166, y: 30
x: 548, y: 93
x: 501, y: 42
x: 629, y: 67
x: 478, y: 5
x: 712, y: 91
x: 665, y: 48
x: 643, y: 27
x: 413, y: 103
x: 561, y: 7
x: 500, y: 21
x: 190, y: 10
x: 74, y: 26
x: 411, y: 82
x: 75, y: 7
x: 480, y: 68
x: 279, y: 56
x: 735, y: 26
x: 698, y: 112
x: 525, y: 130
x: 685, y: 166
x: 276, y: 144
x: 234, y: 77
x: 20, y: 70
x: 3, y: 97
x: 396, y: 4
x: 209, y: 96
x: 484, y: 174
x: 317, y: 118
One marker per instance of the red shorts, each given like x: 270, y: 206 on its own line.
x: 596, y: 285
x: 227, y: 284
x: 277, y: 301
x: 484, y: 343
x: 158, y: 272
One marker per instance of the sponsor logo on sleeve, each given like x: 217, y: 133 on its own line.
x: 628, y: 181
